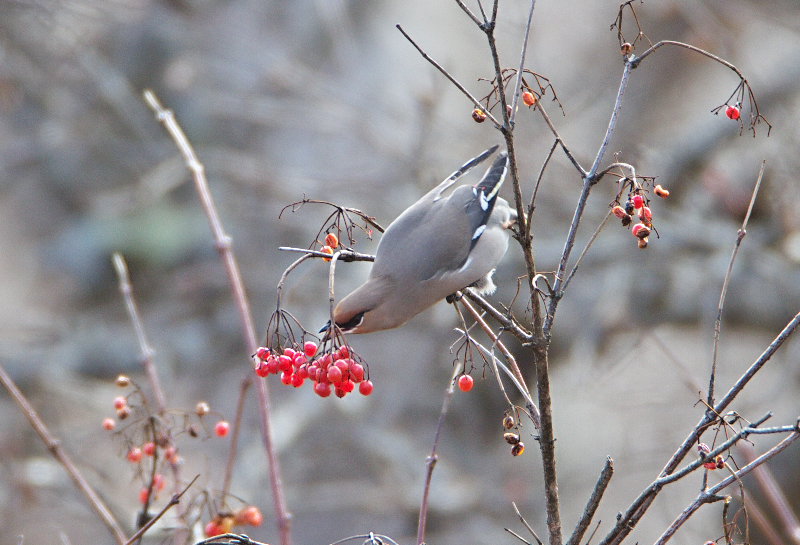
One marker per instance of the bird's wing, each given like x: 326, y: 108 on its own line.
x: 484, y: 195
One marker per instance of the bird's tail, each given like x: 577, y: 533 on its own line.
x: 493, y: 179
x: 463, y: 169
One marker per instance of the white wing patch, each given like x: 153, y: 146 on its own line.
x: 479, y: 231
x: 484, y: 202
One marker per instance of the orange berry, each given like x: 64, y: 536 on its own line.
x: 511, y: 438
x: 135, y: 455
x: 626, y: 49
x: 109, y: 424
x: 518, y: 449
x: 332, y: 240
x: 250, y: 515
x: 619, y: 212
x: 149, y: 448
x: 120, y: 402
x: 661, y: 192
x: 528, y: 98
x: 326, y: 250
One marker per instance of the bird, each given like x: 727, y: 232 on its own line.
x: 439, y: 245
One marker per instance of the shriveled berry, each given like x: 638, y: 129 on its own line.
x: 135, y: 455
x: 660, y: 191
x: 109, y: 424
x: 640, y: 230
x: 123, y: 381
x: 222, y: 428
x: 528, y: 98
x: 332, y: 240
x: 733, y: 112
x: 124, y: 412
x: 310, y: 349
x: 365, y: 388
x: 202, y: 408
x: 193, y: 431
x: 646, y: 215
x: 511, y: 438
x: 619, y: 212
x: 629, y: 207
x: 518, y: 449
x: 626, y: 49
x: 149, y: 448
x: 120, y: 402
x: 703, y: 449
x: 326, y: 250
x: 642, y: 242
x: 465, y: 383
x: 322, y: 389
x: 508, y: 422
x: 478, y: 115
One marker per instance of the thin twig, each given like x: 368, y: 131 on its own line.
x: 507, y: 323
x: 525, y: 523
x: 560, y: 140
x: 774, y: 494
x: 175, y: 500
x: 586, y: 249
x: 532, y: 204
x: 640, y: 505
x: 55, y: 448
x: 430, y: 462
x: 517, y: 86
x: 244, y: 386
x: 126, y: 289
x: 710, y: 495
x: 344, y: 255
x: 224, y: 246
x: 593, y: 503
x: 453, y: 80
x: 718, y: 322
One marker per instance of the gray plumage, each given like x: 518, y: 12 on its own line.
x: 437, y: 246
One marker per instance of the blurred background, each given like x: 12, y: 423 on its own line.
x: 325, y: 99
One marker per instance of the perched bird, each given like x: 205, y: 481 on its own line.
x: 439, y: 245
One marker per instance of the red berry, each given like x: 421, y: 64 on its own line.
x: 297, y: 380
x: 262, y: 369
x: 334, y: 374
x: 356, y: 372
x: 638, y: 201
x: 365, y: 388
x: 332, y: 240
x: 343, y: 352
x: 120, y: 402
x: 646, y: 215
x: 135, y: 455
x: 289, y: 352
x: 286, y: 377
x: 302, y: 372
x: 310, y: 348
x: 109, y: 424
x: 222, y: 428
x: 465, y: 383
x: 262, y: 353
x: 640, y: 230
x: 299, y: 360
x: 340, y: 392
x: 171, y: 455
x: 272, y: 365
x: 348, y: 386
x: 213, y: 529
x: 285, y: 363
x: 149, y: 448
x: 733, y: 112
x: 158, y: 482
x: 528, y: 98
x: 144, y: 495
x: 322, y: 389
x: 710, y: 465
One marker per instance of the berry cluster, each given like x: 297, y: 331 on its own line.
x: 718, y: 462
x: 331, y: 243
x: 637, y: 205
x: 224, y: 523
x: 512, y: 437
x: 335, y: 371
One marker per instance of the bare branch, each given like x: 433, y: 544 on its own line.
x: 175, y: 500
x: 718, y: 322
x: 593, y: 503
x: 55, y: 448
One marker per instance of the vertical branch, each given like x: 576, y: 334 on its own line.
x: 430, y: 463
x: 224, y: 247
x: 718, y: 322
x: 54, y: 446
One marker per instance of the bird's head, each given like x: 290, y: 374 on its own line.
x: 366, y: 309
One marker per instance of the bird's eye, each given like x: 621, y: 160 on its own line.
x: 352, y: 323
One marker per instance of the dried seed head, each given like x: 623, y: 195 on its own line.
x: 123, y: 381
x: 202, y: 408
x: 626, y: 49
x: 511, y: 438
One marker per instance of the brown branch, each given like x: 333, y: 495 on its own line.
x: 593, y: 503
x: 453, y: 80
x: 55, y: 448
x: 718, y: 322
x: 430, y: 462
x: 710, y: 495
x: 525, y: 523
x: 175, y: 500
x: 640, y: 505
x: 224, y: 246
